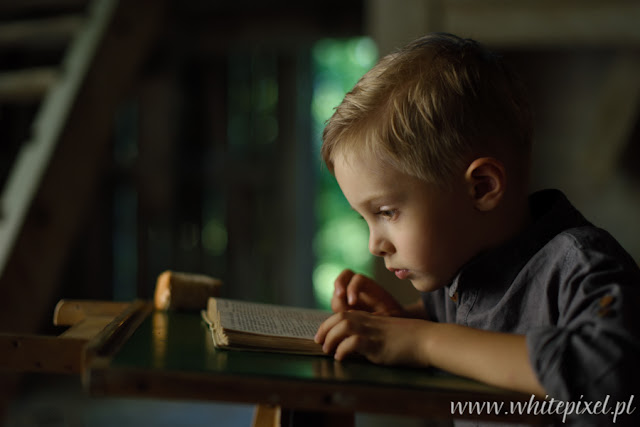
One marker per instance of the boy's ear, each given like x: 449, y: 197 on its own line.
x: 486, y: 180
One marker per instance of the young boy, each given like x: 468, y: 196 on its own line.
x: 432, y: 148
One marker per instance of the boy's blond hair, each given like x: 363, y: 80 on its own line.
x: 430, y: 107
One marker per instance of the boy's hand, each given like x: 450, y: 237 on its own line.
x: 381, y: 339
x: 357, y: 292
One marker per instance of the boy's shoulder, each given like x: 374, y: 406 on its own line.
x: 582, y: 266
x: 588, y: 240
x: 584, y: 257
x: 569, y: 238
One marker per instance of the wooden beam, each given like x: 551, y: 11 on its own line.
x: 71, y: 352
x: 88, y: 328
x: 36, y: 353
x: 26, y: 85
x: 71, y: 312
x: 508, y: 23
x: 50, y: 31
x: 545, y: 23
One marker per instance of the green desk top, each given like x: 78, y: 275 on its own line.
x: 171, y: 355
x: 181, y: 342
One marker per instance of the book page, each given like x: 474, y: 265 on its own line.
x: 268, y: 319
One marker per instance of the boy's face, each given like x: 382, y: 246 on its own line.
x: 423, y: 232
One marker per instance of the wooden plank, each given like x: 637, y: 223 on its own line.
x: 36, y: 353
x: 103, y: 334
x: 109, y: 339
x: 54, y: 31
x: 294, y: 174
x: 71, y: 312
x: 87, y: 328
x: 74, y: 349
x: 27, y: 85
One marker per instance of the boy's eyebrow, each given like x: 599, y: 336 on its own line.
x: 378, y: 199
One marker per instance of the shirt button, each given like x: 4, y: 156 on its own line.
x: 454, y: 297
x: 605, y: 305
x: 606, y: 301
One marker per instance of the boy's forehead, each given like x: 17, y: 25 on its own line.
x: 365, y: 179
x: 362, y: 163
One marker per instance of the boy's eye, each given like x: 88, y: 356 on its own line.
x: 387, y: 213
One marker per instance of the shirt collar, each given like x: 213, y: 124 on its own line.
x: 552, y: 213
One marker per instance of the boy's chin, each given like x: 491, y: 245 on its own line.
x: 426, y: 285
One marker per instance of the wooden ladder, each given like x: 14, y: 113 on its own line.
x: 61, y: 155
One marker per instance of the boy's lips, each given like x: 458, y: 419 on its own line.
x: 401, y: 273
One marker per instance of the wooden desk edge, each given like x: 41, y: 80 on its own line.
x: 111, y: 338
x: 322, y: 396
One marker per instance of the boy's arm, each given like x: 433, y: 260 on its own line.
x: 494, y: 358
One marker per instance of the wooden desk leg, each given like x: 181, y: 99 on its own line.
x: 267, y: 416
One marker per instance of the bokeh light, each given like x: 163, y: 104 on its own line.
x: 341, y: 239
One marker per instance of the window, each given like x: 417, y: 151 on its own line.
x: 341, y: 239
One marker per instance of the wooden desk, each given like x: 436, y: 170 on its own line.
x: 170, y: 355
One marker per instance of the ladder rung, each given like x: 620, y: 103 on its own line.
x: 42, y: 32
x: 26, y: 85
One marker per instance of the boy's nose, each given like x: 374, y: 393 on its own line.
x: 379, y: 246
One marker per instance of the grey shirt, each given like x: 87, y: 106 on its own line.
x: 572, y: 290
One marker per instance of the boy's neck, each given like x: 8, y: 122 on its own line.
x: 509, y: 221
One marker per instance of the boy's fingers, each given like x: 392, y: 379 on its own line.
x: 359, y: 286
x: 366, y: 299
x: 347, y: 326
x: 342, y: 282
x: 339, y: 299
x: 347, y: 346
x: 338, y: 332
x: 339, y: 302
x: 355, y: 291
x: 325, y: 327
x: 365, y: 294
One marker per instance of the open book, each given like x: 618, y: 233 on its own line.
x: 254, y: 326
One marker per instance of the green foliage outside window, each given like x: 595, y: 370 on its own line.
x: 341, y: 240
